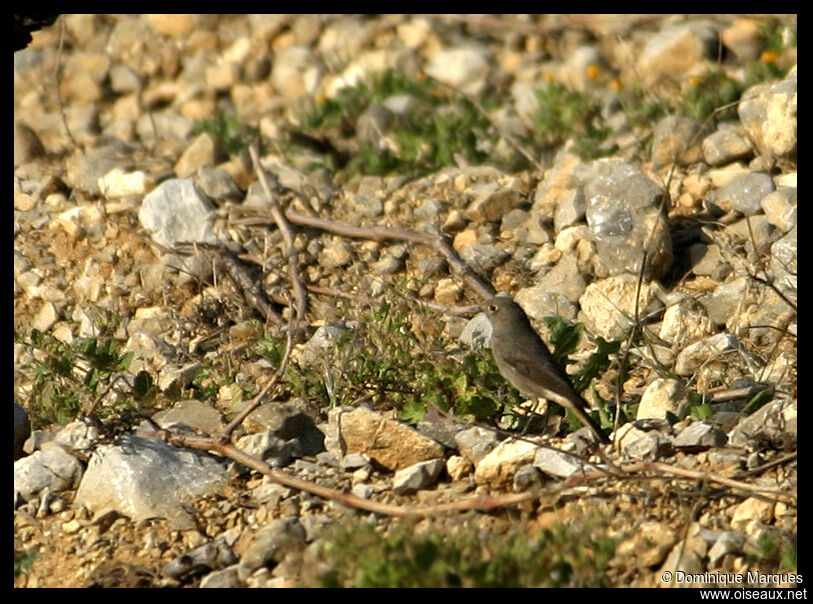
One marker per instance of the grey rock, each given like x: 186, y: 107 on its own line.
x: 83, y: 170
x: 78, y: 435
x: 693, y: 356
x: 744, y: 194
x: 441, y: 429
x: 227, y: 578
x: 429, y: 210
x: 274, y: 448
x: 623, y: 213
x: 526, y: 478
x: 477, y: 332
x: 176, y: 211
x: 726, y: 145
x: 464, y: 67
x: 388, y: 265
x: 474, y: 443
x: 318, y: 347
x: 204, y: 151
x: 123, y: 79
x: 706, y: 259
x: 271, y: 544
x: 179, y: 377
x: 675, y: 139
x: 780, y: 208
x: 417, y: 476
x: 355, y: 461
x: 51, y: 468
x: 539, y: 304
x: 771, y: 427
x: 146, y: 478
x: 432, y: 267
x: 727, y: 543
x: 699, y: 435
x: 753, y: 230
x: 191, y: 415
x: 365, y: 491
x: 365, y: 206
x: 783, y: 265
x: 289, y: 421
x: 648, y: 445
x: 210, y: 556
x: 336, y: 254
x: 725, y: 299
x: 217, y: 184
x: 571, y: 209
x: 490, y: 202
x: 484, y: 258
x: 768, y: 113
x: 163, y: 126
x: 563, y: 278
x: 727, y: 460
x: 560, y: 464
x: 672, y: 52
x: 513, y: 220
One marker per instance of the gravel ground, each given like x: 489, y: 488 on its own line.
x: 139, y: 222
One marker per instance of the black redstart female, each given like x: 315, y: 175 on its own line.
x: 524, y: 360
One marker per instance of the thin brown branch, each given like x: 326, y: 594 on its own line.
x: 376, y: 233
x: 775, y: 492
x: 482, y: 503
x: 771, y: 464
x: 284, y: 226
x: 568, y: 21
x: 449, y: 310
x: 251, y: 291
x: 257, y: 400
x: 57, y: 74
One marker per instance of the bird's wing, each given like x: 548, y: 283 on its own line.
x: 522, y: 361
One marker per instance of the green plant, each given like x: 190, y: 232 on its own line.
x: 389, y: 359
x: 440, y: 127
x: 70, y: 379
x: 773, y: 553
x: 713, y: 93
x: 562, y: 114
x: 564, y: 337
x: 566, y: 556
x: 23, y: 561
x: 233, y: 134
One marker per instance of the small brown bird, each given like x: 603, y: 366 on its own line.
x: 524, y: 360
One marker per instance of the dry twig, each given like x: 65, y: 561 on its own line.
x: 375, y: 233
x: 285, y: 228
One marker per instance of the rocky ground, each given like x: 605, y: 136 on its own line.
x: 151, y: 280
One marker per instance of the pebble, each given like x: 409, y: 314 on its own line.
x: 176, y: 211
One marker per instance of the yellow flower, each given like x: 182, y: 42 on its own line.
x: 769, y: 56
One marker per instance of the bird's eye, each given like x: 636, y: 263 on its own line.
x: 492, y: 308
